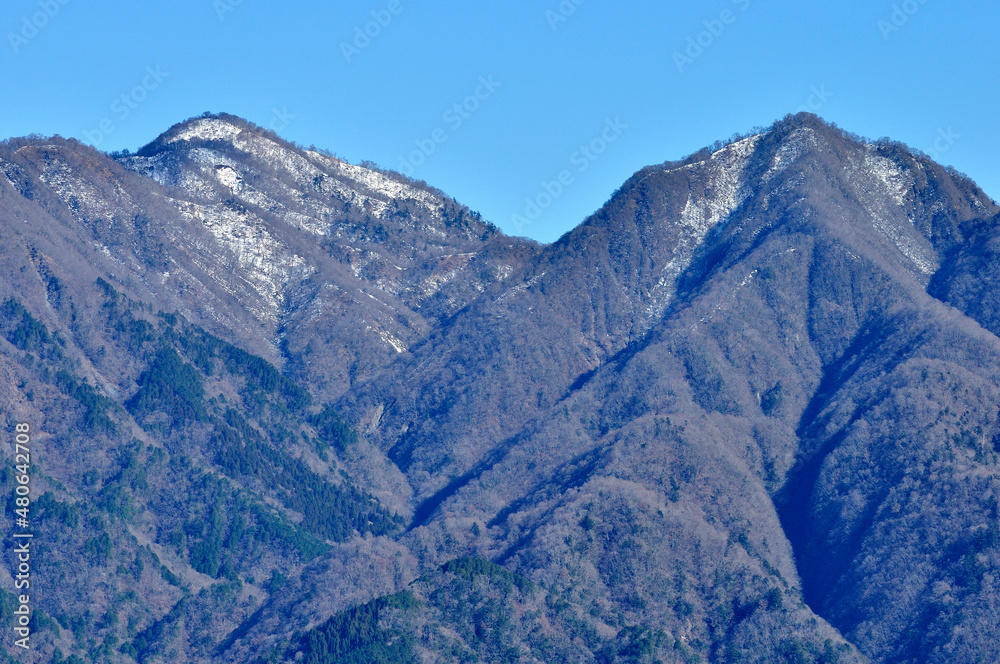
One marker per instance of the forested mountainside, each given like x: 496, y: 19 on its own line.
x: 286, y: 408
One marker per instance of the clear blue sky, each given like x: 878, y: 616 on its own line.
x: 560, y: 81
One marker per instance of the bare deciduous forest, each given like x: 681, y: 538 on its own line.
x: 287, y: 408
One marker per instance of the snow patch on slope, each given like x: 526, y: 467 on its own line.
x: 883, y: 189
x: 5, y: 168
x: 794, y: 146
x: 228, y: 176
x: 521, y: 288
x: 723, y: 177
x: 894, y: 182
x: 922, y: 257
x: 206, y: 129
x: 78, y: 193
x: 365, y: 188
x: 260, y: 259
x: 306, y: 223
x: 386, y: 186
x: 448, y: 269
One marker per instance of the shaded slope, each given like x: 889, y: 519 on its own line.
x: 175, y: 478
x: 516, y: 351
x: 780, y: 302
x: 968, y: 278
x: 518, y: 348
x: 304, y: 258
x: 725, y: 419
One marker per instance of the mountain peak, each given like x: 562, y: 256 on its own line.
x: 726, y: 415
x: 204, y: 128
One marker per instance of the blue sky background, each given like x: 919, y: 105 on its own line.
x: 282, y: 65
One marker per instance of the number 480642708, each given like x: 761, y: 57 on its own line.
x: 22, y: 460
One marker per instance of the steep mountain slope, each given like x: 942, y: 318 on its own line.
x: 968, y: 276
x: 243, y: 232
x: 521, y: 345
x: 603, y: 286
x: 746, y: 412
x: 110, y: 281
x: 828, y: 246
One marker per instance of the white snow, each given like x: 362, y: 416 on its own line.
x: 436, y: 281
x: 521, y: 288
x: 206, y: 129
x: 793, y: 147
x: 228, y: 176
x: 879, y: 179
x: 892, y: 179
x: 727, y: 188
x: 78, y: 192
x: 264, y: 262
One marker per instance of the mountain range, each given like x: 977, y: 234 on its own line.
x: 287, y: 408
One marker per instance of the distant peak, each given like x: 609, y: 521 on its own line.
x: 206, y: 127
x: 804, y: 118
x: 203, y: 129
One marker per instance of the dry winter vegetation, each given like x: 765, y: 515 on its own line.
x: 287, y: 408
